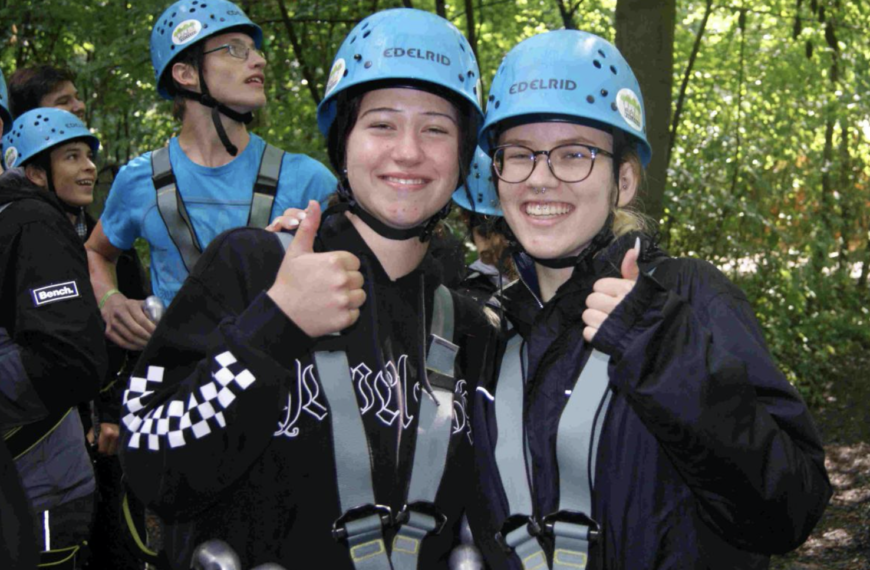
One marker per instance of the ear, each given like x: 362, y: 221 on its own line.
x: 186, y: 75
x: 36, y: 175
x: 629, y: 180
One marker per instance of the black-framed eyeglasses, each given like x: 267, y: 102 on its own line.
x: 515, y: 163
x: 238, y: 50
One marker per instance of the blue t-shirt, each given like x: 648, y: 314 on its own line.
x: 217, y: 199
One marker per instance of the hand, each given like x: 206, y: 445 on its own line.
x: 107, y: 444
x: 320, y: 292
x: 609, y: 292
x: 289, y: 220
x: 127, y: 325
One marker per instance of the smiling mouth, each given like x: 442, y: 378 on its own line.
x: 255, y: 80
x: 404, y: 181
x: 87, y: 182
x: 547, y: 209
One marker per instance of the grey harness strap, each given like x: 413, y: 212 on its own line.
x: 576, y: 449
x: 265, y: 187
x: 520, y: 530
x: 420, y: 517
x: 4, y: 206
x: 174, y: 212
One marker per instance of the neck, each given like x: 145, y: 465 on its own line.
x: 199, y: 139
x: 397, y: 257
x: 549, y: 280
x: 72, y: 218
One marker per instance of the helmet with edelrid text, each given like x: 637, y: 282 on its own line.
x: 41, y: 129
x: 479, y: 186
x: 5, y: 115
x: 402, y: 45
x: 566, y: 75
x: 188, y: 22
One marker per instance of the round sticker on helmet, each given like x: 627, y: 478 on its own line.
x: 335, y: 75
x: 11, y: 157
x: 186, y: 32
x: 630, y: 109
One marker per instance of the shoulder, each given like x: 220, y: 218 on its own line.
x: 302, y: 166
x: 135, y: 173
x: 32, y: 211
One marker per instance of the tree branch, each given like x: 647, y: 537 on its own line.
x: 297, y: 50
x: 567, y: 15
x: 675, y: 124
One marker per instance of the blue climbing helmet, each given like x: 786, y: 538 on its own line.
x: 5, y: 115
x: 570, y: 75
x: 41, y: 129
x: 479, y: 186
x: 188, y: 22
x: 402, y: 44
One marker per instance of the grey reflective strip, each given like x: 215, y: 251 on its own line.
x: 576, y: 447
x: 4, y: 206
x: 265, y: 187
x: 285, y: 238
x: 510, y: 454
x: 172, y: 210
x: 434, y: 426
x: 365, y: 537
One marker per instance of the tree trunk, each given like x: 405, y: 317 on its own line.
x: 645, y: 36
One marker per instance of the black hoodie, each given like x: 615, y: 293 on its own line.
x: 52, y: 353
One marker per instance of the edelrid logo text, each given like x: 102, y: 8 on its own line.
x: 417, y: 54
x: 543, y: 84
x: 53, y: 293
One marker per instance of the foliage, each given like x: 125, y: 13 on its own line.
x: 770, y: 168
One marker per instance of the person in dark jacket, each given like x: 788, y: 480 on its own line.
x: 637, y: 420
x: 53, y: 355
x: 307, y: 406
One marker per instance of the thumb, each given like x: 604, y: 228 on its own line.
x: 303, y: 242
x: 629, y: 268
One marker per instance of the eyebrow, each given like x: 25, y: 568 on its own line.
x: 572, y: 140
x: 392, y: 110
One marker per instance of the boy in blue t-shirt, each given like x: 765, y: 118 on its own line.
x: 206, y: 59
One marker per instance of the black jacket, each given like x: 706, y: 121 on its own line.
x: 708, y: 457
x: 52, y: 354
x: 260, y: 474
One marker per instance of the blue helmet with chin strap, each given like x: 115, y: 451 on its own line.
x: 480, y: 187
x: 566, y: 75
x: 402, y: 45
x: 188, y: 22
x: 5, y: 115
x: 41, y: 129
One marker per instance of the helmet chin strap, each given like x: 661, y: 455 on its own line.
x: 423, y: 231
x: 217, y: 109
x: 75, y: 210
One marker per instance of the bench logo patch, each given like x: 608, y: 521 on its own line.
x: 54, y: 293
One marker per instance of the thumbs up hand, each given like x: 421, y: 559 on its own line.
x: 609, y: 292
x: 320, y: 292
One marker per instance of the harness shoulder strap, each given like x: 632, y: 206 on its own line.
x: 266, y: 187
x: 172, y: 209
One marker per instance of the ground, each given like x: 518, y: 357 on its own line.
x: 841, y: 541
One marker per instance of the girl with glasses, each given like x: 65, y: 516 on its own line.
x: 637, y: 420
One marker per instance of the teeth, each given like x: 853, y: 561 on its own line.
x: 407, y: 181
x: 255, y: 80
x: 544, y: 210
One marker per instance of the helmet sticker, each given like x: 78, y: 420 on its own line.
x: 479, y: 90
x: 335, y: 75
x: 629, y: 107
x: 11, y: 156
x: 186, y: 32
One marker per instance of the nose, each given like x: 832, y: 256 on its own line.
x: 257, y: 60
x: 78, y: 107
x: 542, y: 176
x: 89, y: 164
x: 407, y: 149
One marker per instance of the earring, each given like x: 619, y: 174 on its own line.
x: 540, y: 190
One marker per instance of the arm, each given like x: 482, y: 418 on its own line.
x: 694, y: 368
x: 53, y: 356
x: 126, y: 323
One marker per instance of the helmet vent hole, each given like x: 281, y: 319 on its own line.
x: 497, y: 104
x: 462, y: 47
x: 590, y: 99
x: 614, y: 107
x: 492, y: 97
x: 171, y: 48
x: 212, y: 16
x: 474, y: 89
x: 601, y: 53
x: 461, y: 78
x: 366, y: 25
x: 173, y: 15
x: 365, y: 35
x: 353, y: 39
x: 205, y: 26
x: 345, y: 72
x: 48, y: 138
x: 192, y: 10
x: 613, y: 69
x: 597, y: 64
x: 368, y: 64
x: 604, y: 92
x: 203, y: 6
x: 357, y: 57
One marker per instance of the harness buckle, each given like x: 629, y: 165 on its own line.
x: 571, y: 517
x: 512, y: 523
x: 424, y: 508
x: 339, y: 527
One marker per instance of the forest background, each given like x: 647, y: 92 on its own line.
x: 758, y: 113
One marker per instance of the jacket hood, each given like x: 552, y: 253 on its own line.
x: 14, y: 187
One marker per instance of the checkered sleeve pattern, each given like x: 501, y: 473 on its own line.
x: 175, y: 421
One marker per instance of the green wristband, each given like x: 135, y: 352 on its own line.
x: 105, y: 298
